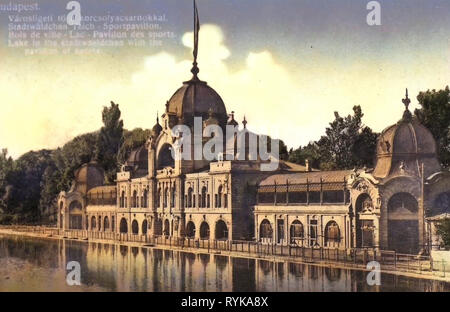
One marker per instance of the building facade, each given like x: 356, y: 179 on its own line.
x: 392, y: 206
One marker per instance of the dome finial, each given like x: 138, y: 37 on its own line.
x: 157, y: 117
x: 244, y: 122
x: 407, y: 114
x: 406, y: 100
x: 195, y: 69
x: 231, y: 121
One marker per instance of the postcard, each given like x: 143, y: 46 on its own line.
x: 215, y: 148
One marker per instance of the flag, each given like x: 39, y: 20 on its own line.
x: 196, y: 30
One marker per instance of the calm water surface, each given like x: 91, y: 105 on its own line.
x: 31, y: 264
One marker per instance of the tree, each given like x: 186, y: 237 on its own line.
x: 6, y: 168
x: 109, y: 141
x: 443, y: 230
x: 29, y: 185
x: 364, y: 148
x: 309, y: 152
x: 435, y: 115
x: 347, y: 143
x: 26, y: 179
x: 283, y: 152
x: 80, y: 150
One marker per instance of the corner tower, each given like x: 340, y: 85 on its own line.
x: 403, y: 147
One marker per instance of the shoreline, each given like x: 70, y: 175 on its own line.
x: 236, y: 254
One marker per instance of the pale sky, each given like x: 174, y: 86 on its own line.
x: 285, y: 65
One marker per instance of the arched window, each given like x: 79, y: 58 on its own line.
x: 75, y: 215
x: 265, y: 229
x: 219, y: 197
x: 134, y: 200
x: 158, y: 230
x: 123, y: 201
x: 364, y: 228
x: 204, y: 230
x: 403, y: 223
x: 166, y: 196
x: 172, y: 196
x: 221, y: 230
x: 158, y: 198
x: 297, y: 231
x: 123, y: 225
x: 402, y: 203
x: 144, y: 227
x: 190, y: 229
x: 332, y: 234
x: 166, y: 227
x: 165, y: 158
x: 135, y: 227
x: 93, y: 223
x: 364, y: 203
x: 189, y: 197
x: 145, y: 199
x: 203, y: 198
x: 105, y: 224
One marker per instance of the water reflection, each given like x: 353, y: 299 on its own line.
x: 39, y: 265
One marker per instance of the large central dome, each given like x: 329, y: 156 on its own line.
x: 196, y: 98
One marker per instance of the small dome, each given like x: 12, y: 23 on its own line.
x: 156, y: 130
x: 137, y: 162
x: 404, y: 146
x: 138, y: 155
x: 88, y: 176
x: 196, y: 98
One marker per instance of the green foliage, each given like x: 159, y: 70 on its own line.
x: 25, y: 180
x: 109, y: 141
x: 30, y: 185
x: 283, y: 151
x: 443, y: 230
x: 132, y: 140
x: 72, y: 155
x: 6, y: 169
x: 309, y: 152
x: 435, y: 115
x: 347, y: 144
x: 59, y: 173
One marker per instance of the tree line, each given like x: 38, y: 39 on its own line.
x: 349, y: 144
x: 30, y: 184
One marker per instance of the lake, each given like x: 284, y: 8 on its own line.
x: 35, y: 264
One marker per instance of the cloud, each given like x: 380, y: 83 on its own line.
x: 262, y: 90
x: 47, y: 101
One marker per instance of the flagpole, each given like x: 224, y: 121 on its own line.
x: 195, y: 70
